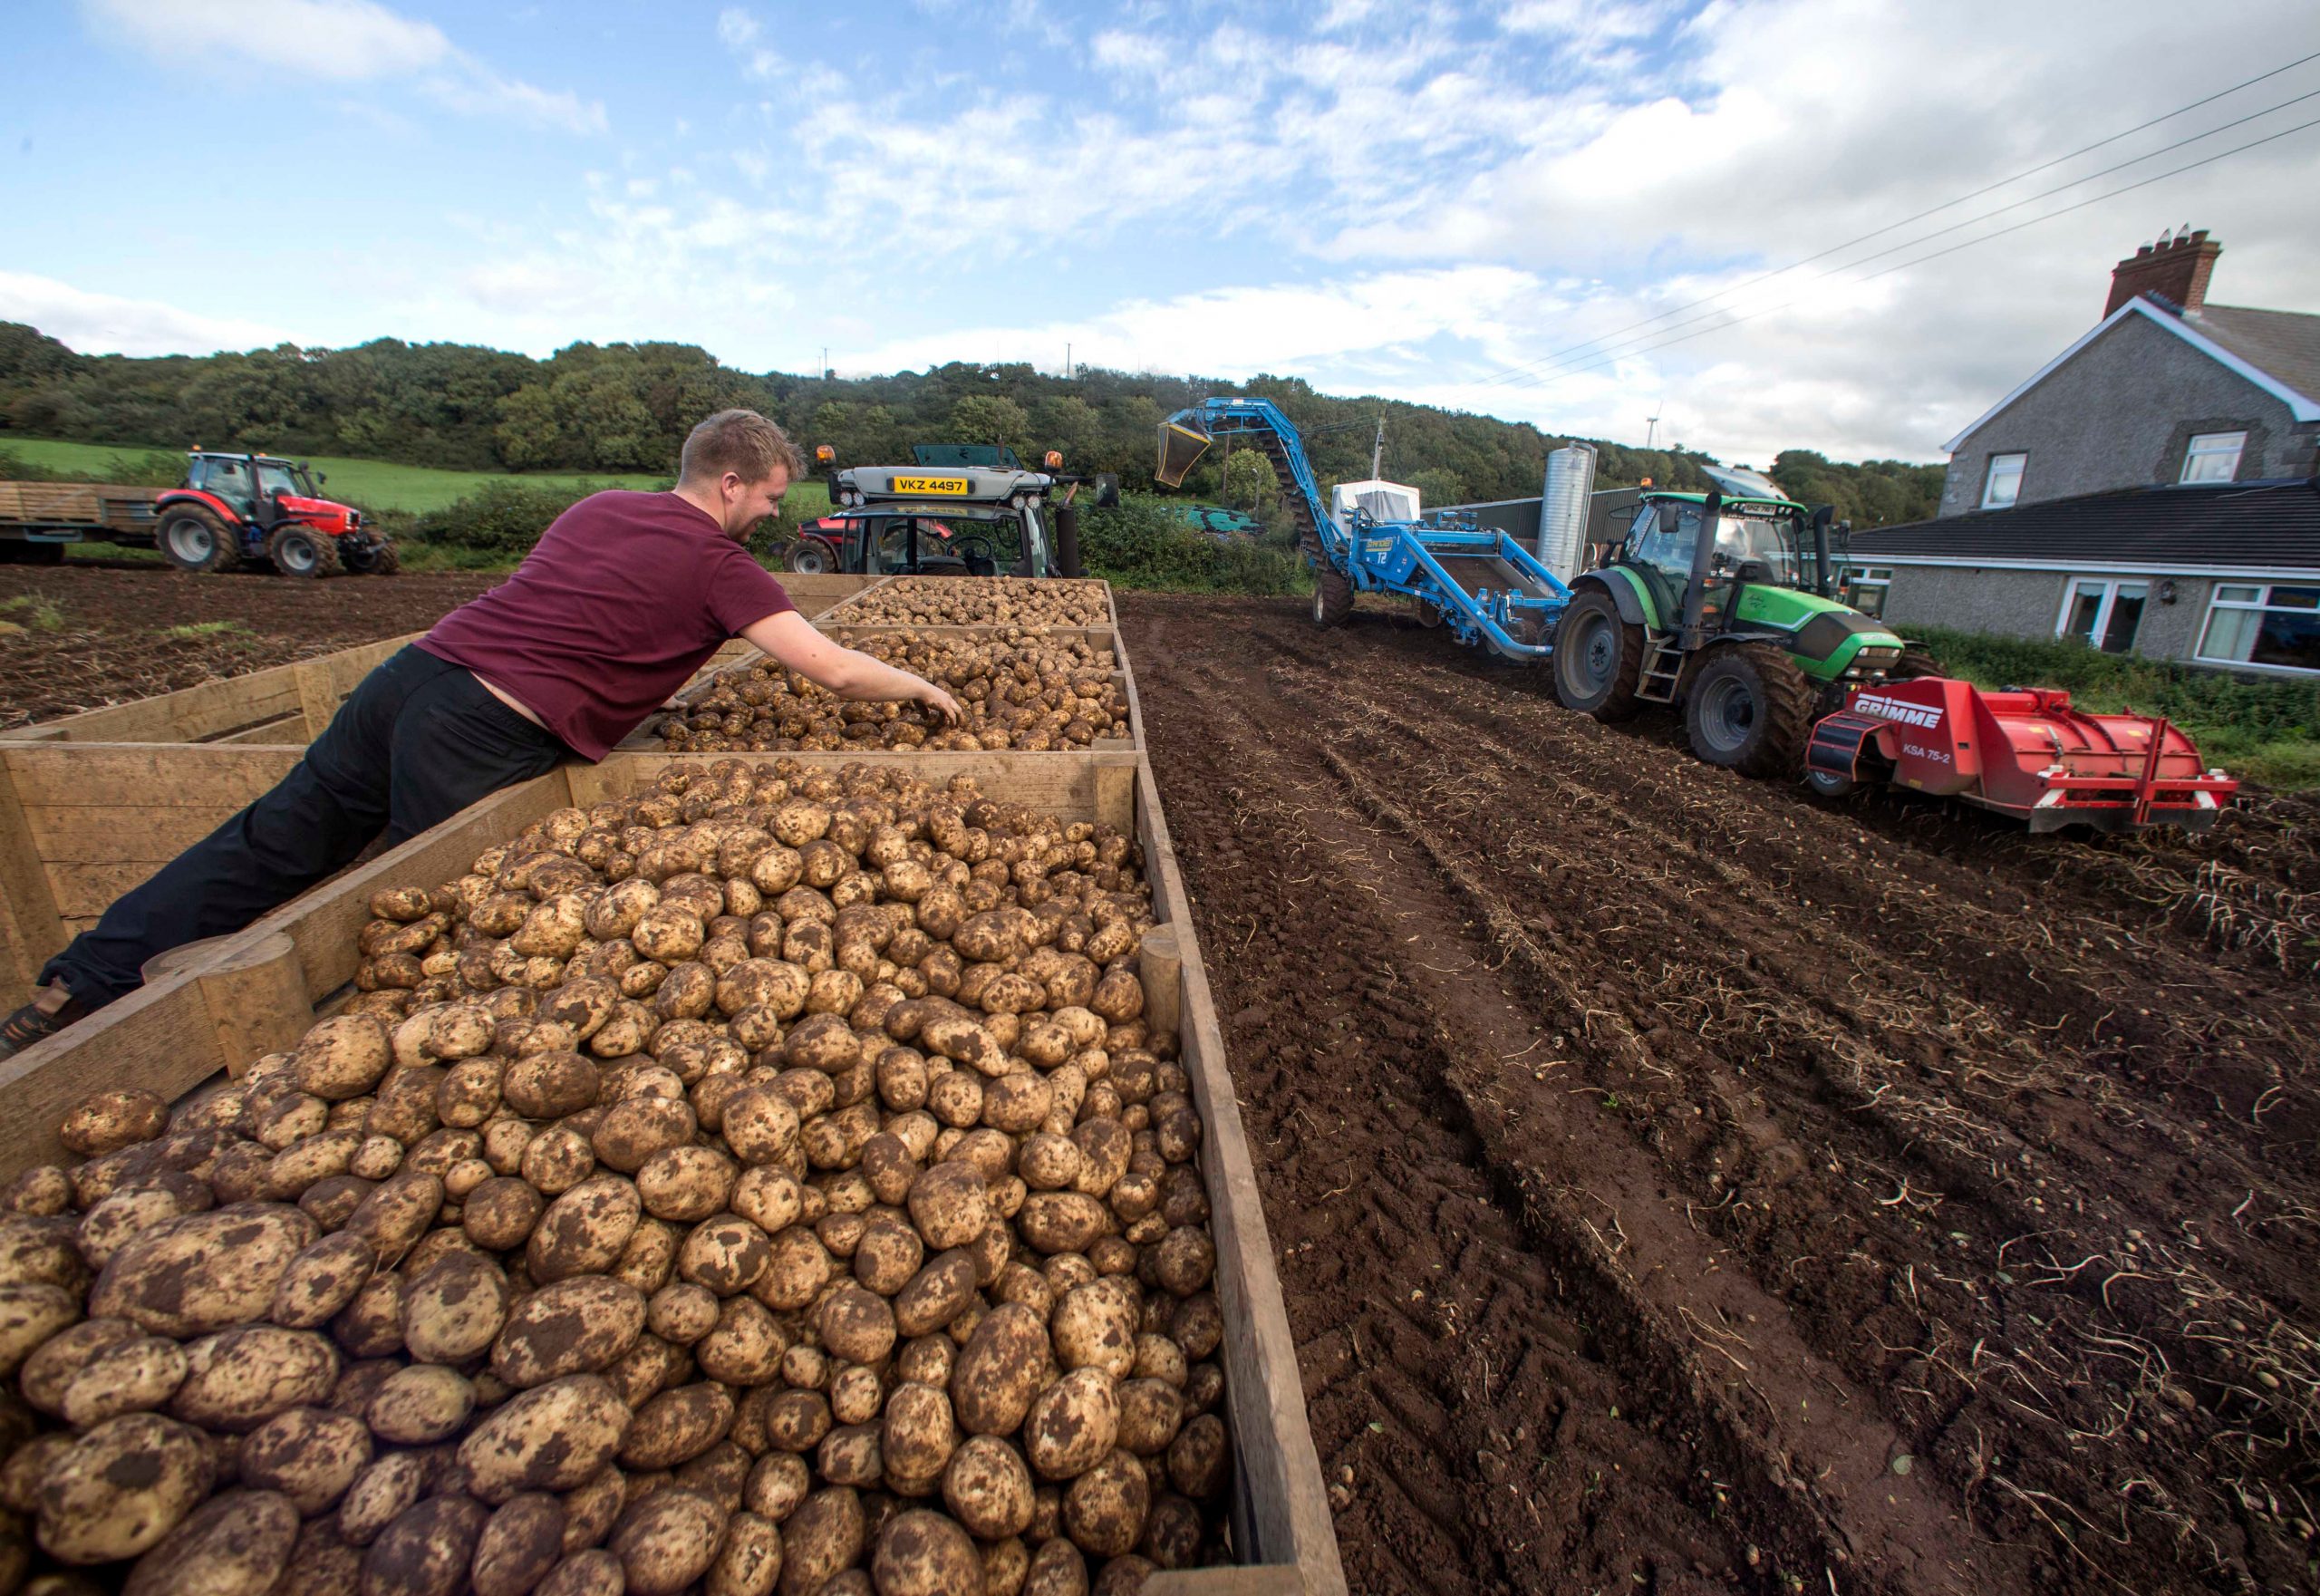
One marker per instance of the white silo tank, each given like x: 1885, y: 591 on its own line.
x: 1562, y: 509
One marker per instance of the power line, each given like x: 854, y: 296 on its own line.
x: 1951, y: 249
x: 1601, y: 343
x: 1514, y: 372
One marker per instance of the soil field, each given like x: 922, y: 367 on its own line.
x: 1684, y: 1185
x: 104, y: 635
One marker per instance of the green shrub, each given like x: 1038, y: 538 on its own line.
x: 504, y: 518
x: 2263, y: 726
x: 1144, y: 543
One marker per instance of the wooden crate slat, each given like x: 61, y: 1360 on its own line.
x: 203, y: 776
x: 123, y: 834
x: 1288, y: 1504
x: 218, y: 708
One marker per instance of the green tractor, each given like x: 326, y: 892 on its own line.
x: 1719, y: 602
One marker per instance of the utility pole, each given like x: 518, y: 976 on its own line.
x: 1067, y: 363
x: 1378, y: 448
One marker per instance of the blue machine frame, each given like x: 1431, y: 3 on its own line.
x: 1403, y: 557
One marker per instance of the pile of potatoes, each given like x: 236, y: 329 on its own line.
x: 1019, y: 689
x: 808, y: 1209
x: 981, y: 601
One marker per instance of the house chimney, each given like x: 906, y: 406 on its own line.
x: 2176, y: 269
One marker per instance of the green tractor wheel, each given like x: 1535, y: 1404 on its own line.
x: 1598, y: 657
x: 1749, y: 709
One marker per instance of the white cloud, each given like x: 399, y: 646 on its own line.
x: 342, y: 40
x: 743, y: 35
x: 108, y: 323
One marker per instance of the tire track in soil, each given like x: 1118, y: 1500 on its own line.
x: 1363, y: 718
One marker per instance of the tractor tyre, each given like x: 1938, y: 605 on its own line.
x: 1749, y: 708
x: 301, y: 551
x: 1332, y: 596
x: 194, y: 541
x: 1915, y: 662
x: 1598, y: 660
x: 1832, y: 787
x: 811, y: 557
x: 378, y: 557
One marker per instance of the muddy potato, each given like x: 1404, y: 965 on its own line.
x: 454, y: 1309
x: 796, y: 1421
x: 548, y: 1439
x: 760, y: 1124
x: 238, y: 1379
x: 681, y: 1313
x: 105, y: 1121
x: 500, y: 1214
x: 1048, y: 1163
x: 778, y: 1482
x: 204, y: 1271
x: 426, y: 1550
x: 686, y: 1185
x: 397, y: 1214
x: 1151, y: 1413
x: 749, y: 1560
x: 746, y: 1346
x: 520, y: 1545
x: 950, y: 1204
x: 235, y: 1545
x: 678, y: 1426
x: 727, y: 1254
x: 917, y: 1433
x: 468, y: 1093
x: 1095, y: 1326
x: 121, y: 1487
x: 343, y: 1058
x: 590, y: 1511
x: 667, y: 1542
x: 923, y: 1553
x: 988, y: 1487
x: 371, y: 1326
x: 1071, y: 1424
x: 576, y: 1325
x: 380, y: 1494
x: 887, y: 1256
x: 594, y: 1571
x: 550, y: 1086
x: 59, y: 1359
x: 1057, y: 1569
x: 1105, y: 1508
x: 937, y: 1295
x: 1062, y: 1221
x: 25, y: 1467
x: 997, y: 1372
x: 421, y: 1405
x: 41, y: 1191
x: 1199, y: 1459
x: 130, y: 1377
x: 649, y: 1367
x: 798, y: 1269
x: 310, y: 1455
x: 584, y: 1231
x: 848, y: 1455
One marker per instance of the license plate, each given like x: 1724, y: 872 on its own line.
x: 952, y: 485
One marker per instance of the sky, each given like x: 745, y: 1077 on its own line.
x: 1584, y: 213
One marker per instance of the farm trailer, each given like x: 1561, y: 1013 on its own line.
x: 217, y: 1006
x: 39, y: 519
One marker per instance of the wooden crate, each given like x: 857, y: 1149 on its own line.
x: 90, y: 509
x: 284, y: 704
x: 260, y: 989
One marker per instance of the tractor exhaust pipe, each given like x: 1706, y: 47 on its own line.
x: 1066, y: 539
x: 1823, y: 583
x: 1702, y: 552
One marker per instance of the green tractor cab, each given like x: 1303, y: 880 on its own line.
x: 1719, y: 603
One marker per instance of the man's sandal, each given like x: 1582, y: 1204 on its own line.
x: 28, y: 1025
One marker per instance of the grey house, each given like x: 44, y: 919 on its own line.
x: 2183, y: 418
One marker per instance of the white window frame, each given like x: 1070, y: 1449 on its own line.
x: 2214, y: 448
x: 2262, y: 602
x: 1990, y: 479
x: 2109, y: 587
x: 1878, y: 577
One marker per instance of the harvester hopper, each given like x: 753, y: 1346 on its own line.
x: 2022, y: 753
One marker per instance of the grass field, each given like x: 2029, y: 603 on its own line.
x: 372, y: 485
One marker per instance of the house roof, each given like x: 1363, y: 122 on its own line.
x: 2276, y: 350
x: 2223, y: 526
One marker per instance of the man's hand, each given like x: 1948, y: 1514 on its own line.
x: 942, y: 704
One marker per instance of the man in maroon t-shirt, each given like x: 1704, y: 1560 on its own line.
x: 624, y: 597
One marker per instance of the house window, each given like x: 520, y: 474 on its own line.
x: 2104, y: 614
x: 2214, y: 457
x: 1865, y: 587
x: 2004, y: 485
x: 2252, y: 625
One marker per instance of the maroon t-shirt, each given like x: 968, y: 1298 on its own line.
x: 621, y: 601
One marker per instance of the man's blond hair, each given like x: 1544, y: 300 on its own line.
x: 740, y: 441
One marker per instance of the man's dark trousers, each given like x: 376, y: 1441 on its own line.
x: 419, y: 740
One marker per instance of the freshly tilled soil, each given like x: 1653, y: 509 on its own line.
x: 1682, y: 1184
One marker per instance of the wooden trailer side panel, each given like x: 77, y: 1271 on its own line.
x: 309, y: 688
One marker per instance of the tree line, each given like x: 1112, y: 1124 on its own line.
x: 627, y: 407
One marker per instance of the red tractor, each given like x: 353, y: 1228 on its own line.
x: 255, y: 507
